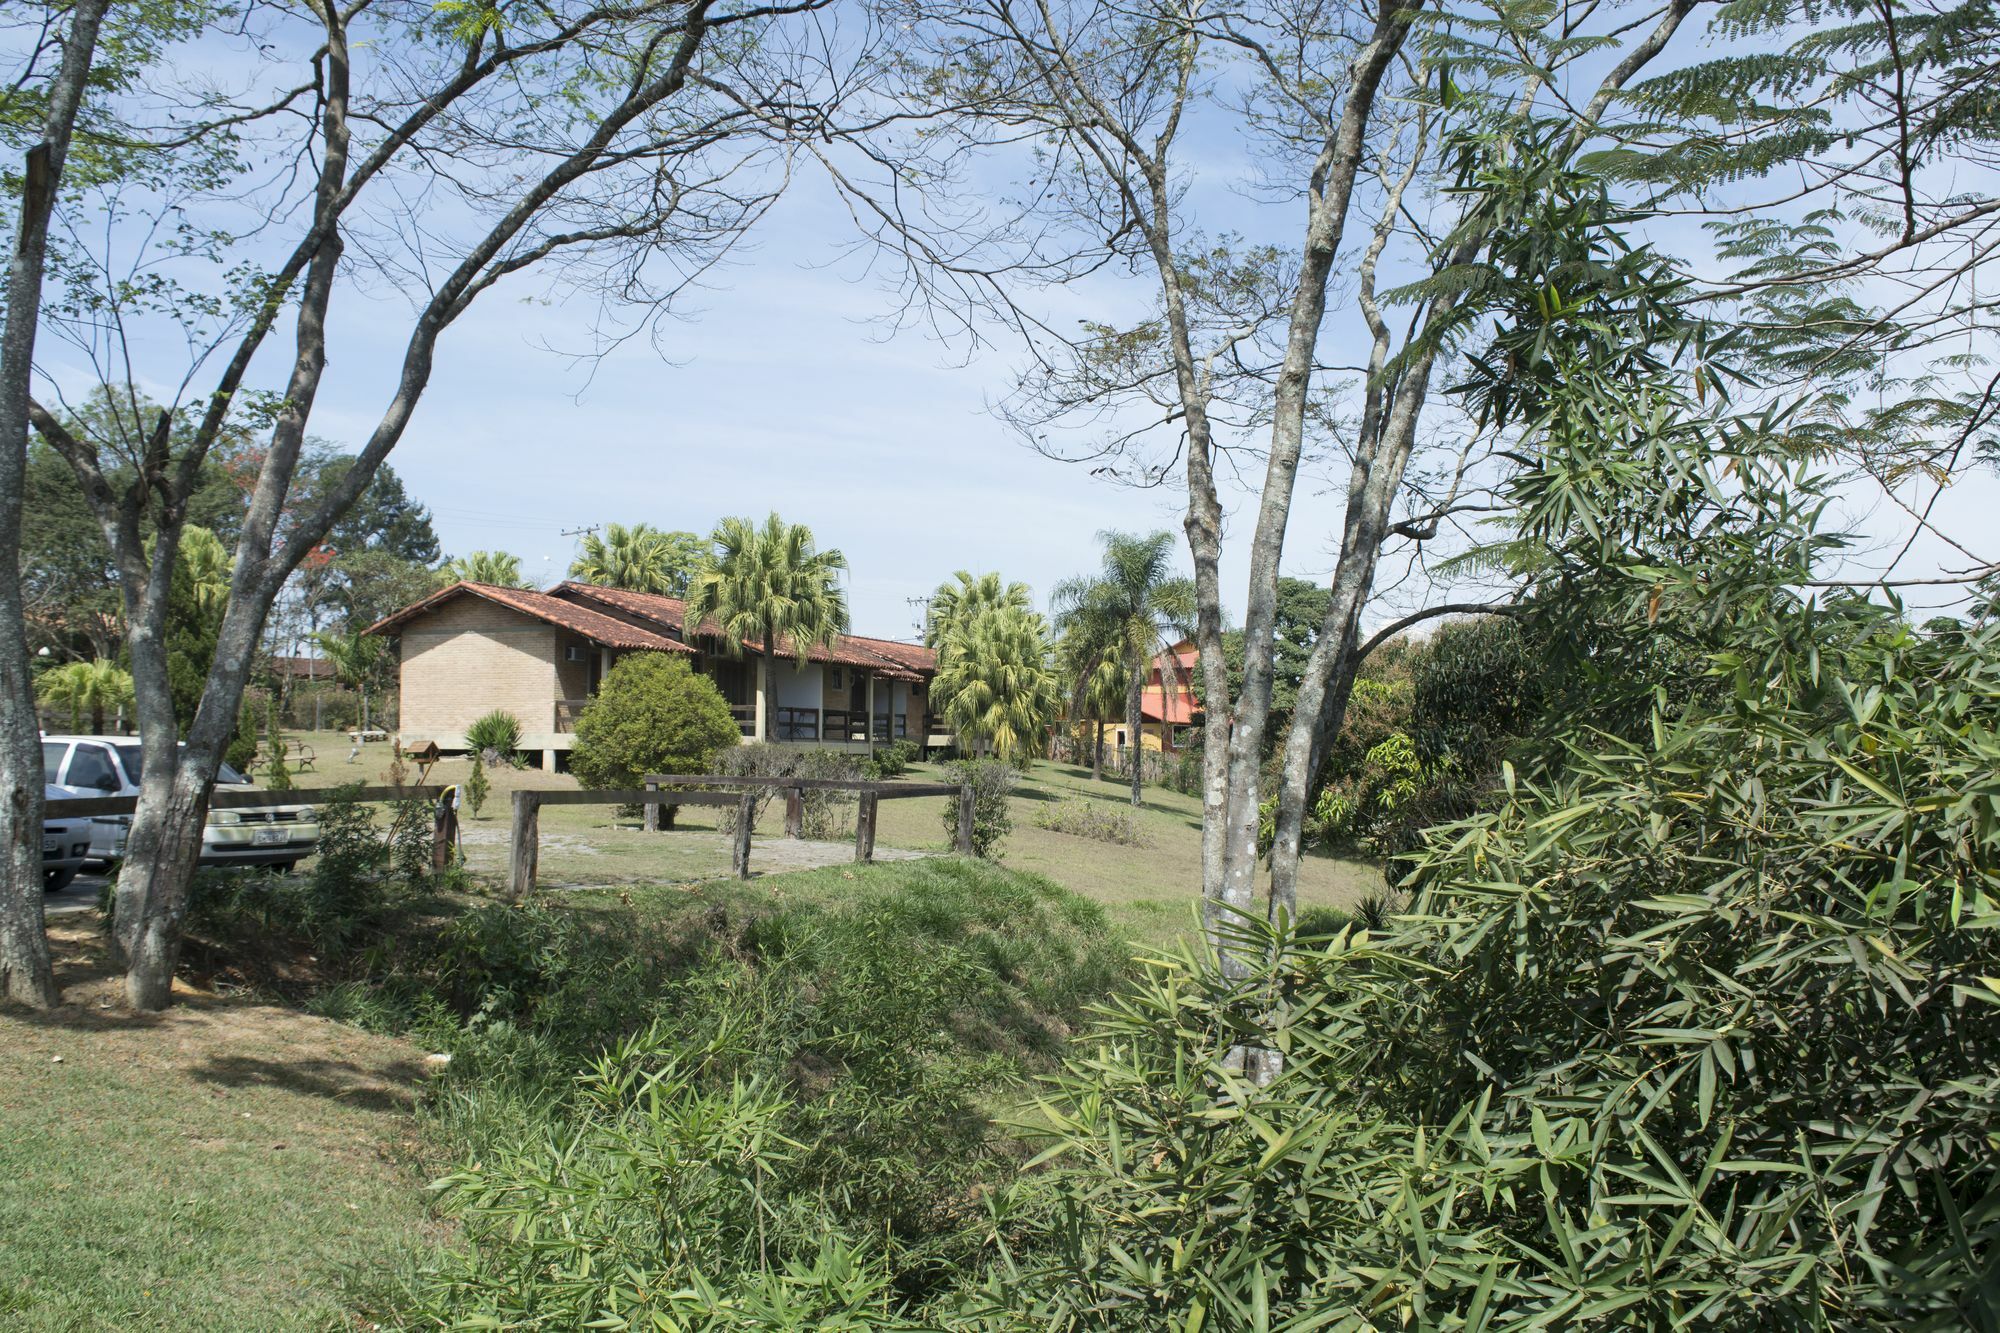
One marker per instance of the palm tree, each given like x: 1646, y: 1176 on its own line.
x: 640, y: 558
x: 353, y: 657
x: 996, y: 682
x: 1094, y: 671
x: 1134, y: 605
x: 86, y: 687
x: 954, y: 605
x: 207, y: 564
x: 771, y: 585
x: 496, y: 568
x: 1104, y: 691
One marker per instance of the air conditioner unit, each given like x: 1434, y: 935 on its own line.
x: 576, y: 654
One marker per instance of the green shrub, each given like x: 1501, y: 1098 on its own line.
x: 825, y: 813
x: 498, y: 731
x: 1091, y: 819
x: 992, y: 782
x: 892, y: 760
x: 1691, y: 1035
x: 792, y: 1123
x: 361, y: 870
x: 477, y: 787
x: 653, y: 714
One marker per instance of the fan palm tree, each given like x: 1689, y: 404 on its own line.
x: 496, y: 568
x: 638, y: 559
x: 773, y: 586
x: 1135, y: 605
x: 998, y: 688
x: 95, y: 688
x: 353, y: 657
x: 955, y: 604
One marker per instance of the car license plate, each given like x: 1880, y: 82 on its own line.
x: 51, y: 846
x: 268, y: 837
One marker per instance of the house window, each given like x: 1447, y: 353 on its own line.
x: 798, y: 724
x: 836, y: 678
x: 1121, y: 736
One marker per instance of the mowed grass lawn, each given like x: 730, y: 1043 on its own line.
x: 226, y: 1165
x: 1149, y: 891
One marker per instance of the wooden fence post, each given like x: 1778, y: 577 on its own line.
x: 864, y: 829
x: 526, y: 846
x: 746, y: 814
x: 795, y: 812
x: 964, y: 846
x: 652, y: 810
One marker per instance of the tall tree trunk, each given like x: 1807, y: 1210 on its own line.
x: 1097, y: 749
x: 1134, y: 732
x: 1381, y: 456
x: 1334, y: 172
x: 25, y: 972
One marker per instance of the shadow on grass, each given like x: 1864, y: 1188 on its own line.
x: 387, y: 1088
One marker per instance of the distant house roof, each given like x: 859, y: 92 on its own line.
x: 301, y: 668
x: 882, y: 657
x: 608, y: 631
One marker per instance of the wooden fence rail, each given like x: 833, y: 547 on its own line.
x: 524, y: 852
x: 229, y: 798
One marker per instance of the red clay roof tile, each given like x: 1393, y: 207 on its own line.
x: 883, y: 657
x: 593, y: 625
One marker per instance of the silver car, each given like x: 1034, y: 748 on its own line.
x: 274, y: 835
x: 65, y: 843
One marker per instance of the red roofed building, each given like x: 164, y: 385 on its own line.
x: 473, y: 647
x: 1167, y: 703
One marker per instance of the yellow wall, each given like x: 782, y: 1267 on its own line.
x: 469, y: 657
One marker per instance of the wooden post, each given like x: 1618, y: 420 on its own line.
x: 526, y: 845
x: 652, y: 810
x: 864, y: 829
x: 795, y: 812
x: 964, y: 847
x: 746, y: 812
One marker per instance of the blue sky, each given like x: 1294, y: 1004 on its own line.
x: 781, y: 390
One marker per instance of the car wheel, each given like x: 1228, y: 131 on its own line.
x: 284, y: 867
x: 55, y: 881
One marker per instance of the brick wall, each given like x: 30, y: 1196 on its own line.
x: 470, y: 657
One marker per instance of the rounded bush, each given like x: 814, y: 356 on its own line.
x: 653, y: 714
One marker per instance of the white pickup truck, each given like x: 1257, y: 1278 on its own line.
x: 274, y: 835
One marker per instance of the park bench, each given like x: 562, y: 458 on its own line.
x: 299, y: 757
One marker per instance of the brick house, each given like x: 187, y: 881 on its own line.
x: 473, y: 647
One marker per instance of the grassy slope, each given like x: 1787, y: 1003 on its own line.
x: 232, y: 1165
x: 226, y: 1165
x: 1149, y: 891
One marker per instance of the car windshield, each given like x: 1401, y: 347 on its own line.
x: 135, y: 764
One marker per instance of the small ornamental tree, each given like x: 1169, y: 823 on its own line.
x: 653, y: 714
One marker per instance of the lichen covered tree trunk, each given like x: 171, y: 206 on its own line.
x: 25, y: 973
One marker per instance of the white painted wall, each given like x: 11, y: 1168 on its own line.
x: 798, y: 687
